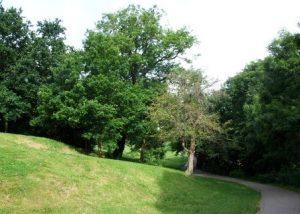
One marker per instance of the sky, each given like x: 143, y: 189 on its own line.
x: 231, y: 33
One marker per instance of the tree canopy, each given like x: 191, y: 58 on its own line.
x: 26, y: 59
x: 259, y: 109
x: 182, y: 114
x: 103, y: 91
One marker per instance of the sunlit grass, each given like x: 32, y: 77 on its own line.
x: 45, y: 176
x: 171, y: 159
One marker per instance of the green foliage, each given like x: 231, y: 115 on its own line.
x: 102, y: 93
x: 95, y: 97
x: 280, y: 102
x: 100, y: 96
x: 183, y: 112
x: 259, y: 110
x: 26, y: 60
x: 182, y: 115
x: 11, y: 106
x: 134, y: 46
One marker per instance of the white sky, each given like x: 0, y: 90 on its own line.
x: 231, y: 32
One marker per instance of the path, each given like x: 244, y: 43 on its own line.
x: 274, y: 200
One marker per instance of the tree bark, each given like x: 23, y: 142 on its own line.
x: 100, y: 152
x: 142, y: 154
x: 118, y: 152
x: 183, y: 145
x: 190, y: 168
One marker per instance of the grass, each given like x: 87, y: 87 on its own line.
x: 171, y: 160
x: 38, y: 175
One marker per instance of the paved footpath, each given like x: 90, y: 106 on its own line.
x: 274, y: 200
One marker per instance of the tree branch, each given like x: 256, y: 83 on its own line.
x: 183, y: 145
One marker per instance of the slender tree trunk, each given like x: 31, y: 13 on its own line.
x: 100, y: 153
x: 183, y: 144
x: 5, y: 125
x: 142, y: 154
x: 190, y: 168
x: 118, y: 152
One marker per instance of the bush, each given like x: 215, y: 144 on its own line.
x: 237, y: 173
x: 290, y: 175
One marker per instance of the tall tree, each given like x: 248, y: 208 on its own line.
x: 259, y: 109
x: 182, y: 113
x: 11, y: 106
x: 280, y: 103
x: 238, y: 107
x: 14, y: 41
x: 132, y: 53
x: 26, y: 59
x: 95, y: 107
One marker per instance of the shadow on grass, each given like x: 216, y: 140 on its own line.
x: 130, y: 159
x: 181, y: 194
x: 171, y: 160
x: 178, y: 193
x: 175, y: 162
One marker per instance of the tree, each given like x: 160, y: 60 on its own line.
x: 238, y: 106
x: 15, y: 37
x: 280, y: 103
x: 182, y: 113
x: 132, y: 46
x: 11, y: 106
x: 14, y: 40
x: 259, y: 109
x: 92, y: 107
x: 26, y: 59
x: 123, y: 67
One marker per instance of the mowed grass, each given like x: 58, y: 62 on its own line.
x: 171, y: 160
x: 38, y: 175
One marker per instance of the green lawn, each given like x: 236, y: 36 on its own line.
x: 171, y: 160
x: 44, y: 176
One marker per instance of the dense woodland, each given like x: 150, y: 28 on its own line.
x: 127, y: 86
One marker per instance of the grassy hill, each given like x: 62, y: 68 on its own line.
x: 46, y: 176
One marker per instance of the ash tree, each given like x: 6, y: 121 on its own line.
x: 182, y: 114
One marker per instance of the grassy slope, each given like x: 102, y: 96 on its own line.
x: 42, y: 175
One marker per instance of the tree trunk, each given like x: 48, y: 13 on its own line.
x: 142, y: 154
x: 5, y: 125
x: 190, y: 168
x: 118, y: 152
x: 100, y: 152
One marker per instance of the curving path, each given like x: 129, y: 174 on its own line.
x: 274, y: 200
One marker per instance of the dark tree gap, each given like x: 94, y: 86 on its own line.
x: 118, y: 152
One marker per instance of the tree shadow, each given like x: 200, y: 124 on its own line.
x: 177, y: 193
x: 130, y: 159
x: 182, y: 194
